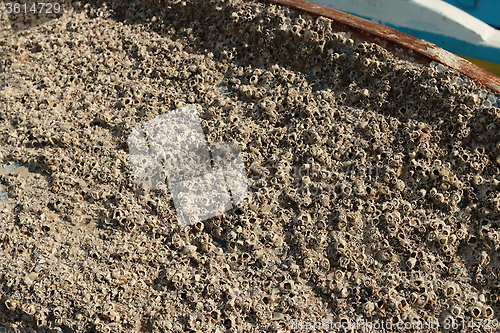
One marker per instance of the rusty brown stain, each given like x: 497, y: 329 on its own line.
x: 395, y: 40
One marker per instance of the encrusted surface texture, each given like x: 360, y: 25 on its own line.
x: 373, y: 181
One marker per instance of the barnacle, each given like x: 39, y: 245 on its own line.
x: 352, y: 176
x: 475, y: 311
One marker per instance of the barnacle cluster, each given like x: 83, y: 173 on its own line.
x: 374, y: 180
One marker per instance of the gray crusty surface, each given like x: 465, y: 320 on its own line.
x: 373, y: 180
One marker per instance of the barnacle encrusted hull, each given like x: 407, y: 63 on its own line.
x: 374, y: 181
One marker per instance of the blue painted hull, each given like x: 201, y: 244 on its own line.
x: 487, y: 11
